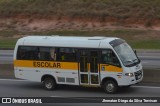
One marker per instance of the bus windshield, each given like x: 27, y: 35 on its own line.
x: 125, y: 52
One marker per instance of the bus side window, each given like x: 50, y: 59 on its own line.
x: 21, y: 53
x: 44, y: 53
x: 109, y: 57
x: 67, y: 54
x: 27, y: 53
x: 53, y: 55
x: 32, y: 53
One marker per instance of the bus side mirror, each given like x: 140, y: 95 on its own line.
x: 135, y: 52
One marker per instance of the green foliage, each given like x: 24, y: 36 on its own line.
x: 145, y: 44
x: 7, y: 43
x: 138, y: 39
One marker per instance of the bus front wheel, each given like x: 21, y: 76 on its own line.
x: 110, y: 87
x: 49, y: 83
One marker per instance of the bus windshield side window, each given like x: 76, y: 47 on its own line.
x: 109, y: 57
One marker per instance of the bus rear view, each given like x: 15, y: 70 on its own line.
x: 106, y: 62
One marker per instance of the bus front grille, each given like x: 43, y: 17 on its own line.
x: 138, y: 74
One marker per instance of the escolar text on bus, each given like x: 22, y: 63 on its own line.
x: 47, y: 64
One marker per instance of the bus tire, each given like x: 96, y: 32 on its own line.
x: 49, y: 83
x: 110, y: 87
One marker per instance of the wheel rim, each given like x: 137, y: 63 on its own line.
x: 110, y: 87
x: 48, y: 85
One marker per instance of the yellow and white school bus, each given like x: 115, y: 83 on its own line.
x: 106, y: 62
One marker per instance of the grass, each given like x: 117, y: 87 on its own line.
x: 145, y: 44
x: 138, y: 39
x: 7, y: 43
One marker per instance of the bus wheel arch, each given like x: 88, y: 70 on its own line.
x: 49, y: 82
x: 109, y: 85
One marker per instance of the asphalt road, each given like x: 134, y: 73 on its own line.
x: 149, y: 59
x: 6, y: 56
x: 23, y: 88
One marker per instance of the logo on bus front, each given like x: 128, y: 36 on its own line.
x: 137, y: 67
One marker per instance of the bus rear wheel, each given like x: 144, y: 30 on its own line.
x: 49, y: 83
x: 110, y: 87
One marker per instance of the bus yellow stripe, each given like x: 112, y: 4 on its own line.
x: 61, y: 65
x: 110, y: 68
x: 46, y: 64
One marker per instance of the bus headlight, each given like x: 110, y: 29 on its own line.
x: 129, y: 74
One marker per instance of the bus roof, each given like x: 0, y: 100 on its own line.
x: 65, y: 41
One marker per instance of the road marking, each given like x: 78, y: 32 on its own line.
x: 144, y: 62
x: 12, y: 80
x: 56, y: 96
x: 153, y: 87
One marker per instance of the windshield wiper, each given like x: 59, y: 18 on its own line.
x: 129, y: 61
x: 135, y: 60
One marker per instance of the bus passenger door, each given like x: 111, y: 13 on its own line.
x: 83, y: 67
x: 94, y: 68
x: 88, y: 67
